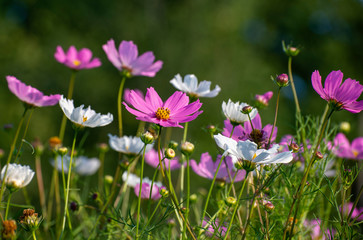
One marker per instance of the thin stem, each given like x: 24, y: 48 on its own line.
x: 140, y: 187
x: 68, y: 183
x: 188, y: 195
x: 355, y: 203
x: 65, y: 191
x: 152, y: 215
x: 11, y: 152
x: 38, y: 169
x: 275, y: 120
x: 101, y: 171
x: 24, y: 134
x: 7, y: 206
x: 293, y: 86
x: 236, y: 207
x: 119, y: 99
x: 34, y: 236
x: 69, y: 96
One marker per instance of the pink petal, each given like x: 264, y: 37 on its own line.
x: 139, y: 103
x: 153, y: 98
x: 176, y: 101
x: 59, y: 55
x: 84, y: 55
x: 316, y: 82
x: 153, y: 69
x: 112, y: 54
x: 354, y: 107
x: 128, y: 53
x: 332, y: 83
x: 72, y: 54
x: 349, y: 91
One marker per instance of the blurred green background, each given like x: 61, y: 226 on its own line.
x: 235, y: 44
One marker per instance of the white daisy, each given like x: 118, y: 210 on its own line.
x: 83, y: 166
x: 128, y: 145
x: 17, y: 176
x: 233, y: 113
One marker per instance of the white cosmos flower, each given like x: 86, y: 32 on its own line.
x: 17, y: 176
x: 82, y: 165
x: 128, y: 145
x: 192, y: 88
x: 84, y: 117
x: 132, y: 180
x: 233, y: 113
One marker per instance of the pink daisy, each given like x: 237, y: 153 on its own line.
x: 76, y: 60
x: 342, y: 147
x: 170, y: 113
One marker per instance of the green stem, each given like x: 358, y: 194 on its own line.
x: 38, y: 169
x: 152, y: 215
x: 119, y: 102
x: 293, y: 86
x: 7, y: 206
x: 300, y: 189
x: 210, y: 192
x: 69, y: 96
x: 11, y: 152
x: 68, y: 183
x: 101, y: 171
x: 24, y: 134
x: 188, y: 195
x: 140, y: 187
x: 65, y: 192
x: 236, y: 207
x: 275, y: 120
x: 34, y: 236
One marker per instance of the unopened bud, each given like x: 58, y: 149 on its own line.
x: 187, y: 148
x: 55, y: 142
x: 184, y: 210
x: 173, y: 145
x: 171, y: 222
x: 282, y: 80
x: 220, y: 185
x: 211, y: 129
x: 73, y: 206
x: 108, y: 179
x: 289, y: 50
x: 268, y: 206
x: 103, y: 147
x: 63, y: 151
x: 193, y: 198
x: 38, y: 146
x: 319, y: 156
x: 147, y: 138
x: 164, y: 193
x: 94, y: 196
x: 294, y: 147
x: 230, y: 201
x: 169, y: 153
x: 344, y: 127
x: 247, y: 109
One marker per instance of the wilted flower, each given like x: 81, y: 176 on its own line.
x: 233, y: 113
x: 76, y: 60
x: 191, y: 87
x: 84, y: 117
x: 207, y: 168
x: 339, y: 95
x: 30, y: 220
x: 82, y: 165
x: 126, y: 59
x: 29, y: 95
x: 342, y: 148
x: 152, y: 159
x: 170, y: 113
x: 9, y: 228
x: 130, y: 146
x: 17, y: 176
x: 262, y: 100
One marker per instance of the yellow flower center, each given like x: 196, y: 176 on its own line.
x: 254, y: 156
x: 76, y: 63
x: 355, y: 153
x: 162, y: 113
x: 84, y: 119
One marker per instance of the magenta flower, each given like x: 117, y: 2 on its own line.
x: 214, y: 226
x: 126, y: 59
x: 262, y: 100
x: 29, y: 95
x: 357, y: 212
x: 342, y: 148
x: 126, y: 95
x: 316, y: 232
x: 243, y: 133
x: 340, y: 95
x: 175, y: 110
x: 76, y: 60
x: 145, y: 190
x: 207, y: 168
x: 152, y: 158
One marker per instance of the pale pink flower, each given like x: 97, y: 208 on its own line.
x: 342, y: 148
x: 262, y: 100
x: 152, y: 159
x: 76, y: 60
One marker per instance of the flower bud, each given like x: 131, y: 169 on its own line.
x: 108, y: 179
x: 173, y: 145
x: 347, y: 178
x: 38, y: 147
x: 193, y: 198
x: 164, y: 193
x: 247, y: 109
x: 147, y: 138
x: 2, y: 153
x: 169, y: 153
x: 319, y: 156
x: 171, y: 222
x: 30, y: 220
x: 63, y: 151
x: 211, y: 129
x: 282, y: 80
x: 268, y: 206
x: 55, y: 142
x: 184, y: 210
x: 94, y: 196
x: 220, y: 185
x: 294, y: 147
x: 73, y: 206
x: 289, y: 50
x: 103, y: 147
x: 344, y: 127
x: 230, y: 201
x: 187, y: 148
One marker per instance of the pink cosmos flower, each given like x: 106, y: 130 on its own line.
x: 170, y: 113
x: 214, y: 226
x: 76, y: 60
x: 357, y: 212
x: 316, y: 232
x: 126, y: 59
x: 126, y: 95
x: 207, y: 168
x: 245, y: 132
x: 145, y: 190
x: 30, y: 95
x: 262, y: 100
x: 152, y: 159
x: 342, y: 147
x: 341, y: 95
